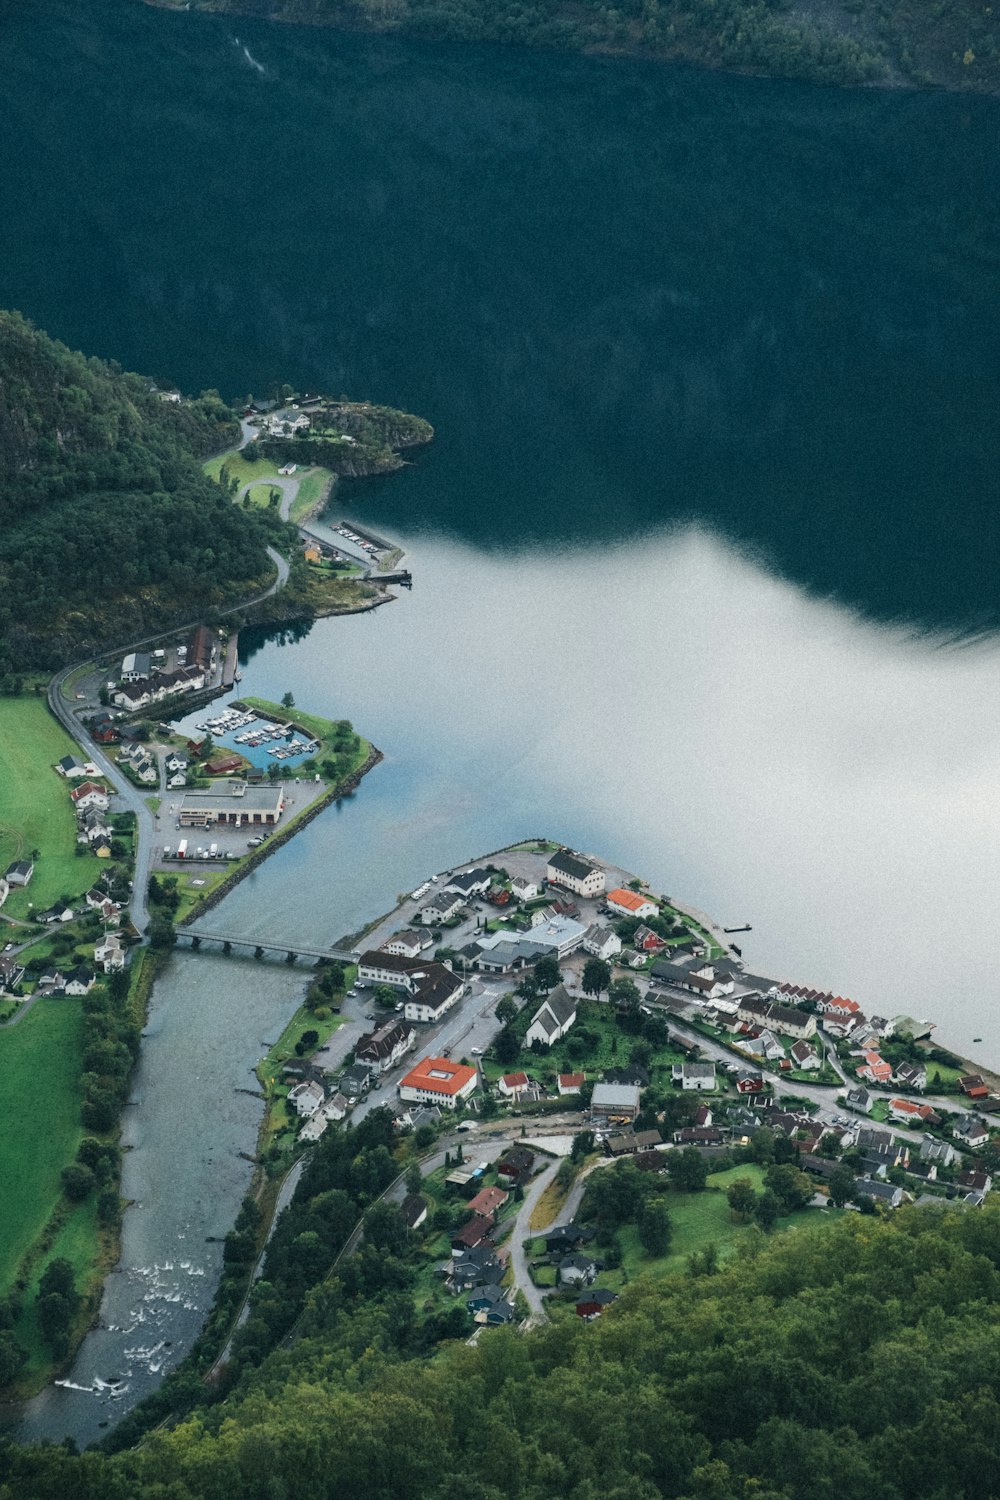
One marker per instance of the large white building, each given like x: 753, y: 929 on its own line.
x: 574, y: 874
x: 438, y: 1080
x: 232, y: 802
x: 552, y: 1019
x: 430, y: 988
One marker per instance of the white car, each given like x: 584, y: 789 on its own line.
x: 476, y: 1051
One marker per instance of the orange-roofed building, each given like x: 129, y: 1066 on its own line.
x: 875, y: 1068
x: 570, y: 1083
x: 438, y: 1080
x: 631, y: 904
x: 488, y: 1201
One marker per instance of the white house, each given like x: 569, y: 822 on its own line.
x: 444, y: 906
x: 20, y: 872
x: 804, y: 1057
x: 136, y: 667
x: 694, y: 1076
x: 575, y: 874
x: 436, y: 994
x: 4, y: 890
x: 513, y: 1085
x: 468, y: 883
x: 523, y: 888
x: 631, y: 904
x: 79, y: 982
x: 306, y: 1098
x: 404, y: 944
x: 89, y: 794
x: 552, y: 1019
x: 110, y: 955
x: 601, y: 942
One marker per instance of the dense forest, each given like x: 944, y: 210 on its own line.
x: 108, y: 527
x: 860, y: 1361
x: 949, y: 43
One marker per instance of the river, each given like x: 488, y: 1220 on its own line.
x: 705, y: 550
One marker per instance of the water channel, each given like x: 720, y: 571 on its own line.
x: 704, y: 553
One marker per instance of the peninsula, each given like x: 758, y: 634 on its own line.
x: 881, y: 42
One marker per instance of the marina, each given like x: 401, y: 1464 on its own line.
x: 256, y: 737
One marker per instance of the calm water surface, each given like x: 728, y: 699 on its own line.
x: 706, y: 549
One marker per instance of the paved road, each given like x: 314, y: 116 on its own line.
x: 520, y: 1232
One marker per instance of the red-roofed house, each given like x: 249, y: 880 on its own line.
x: 438, y: 1080
x: 875, y: 1069
x: 836, y: 1005
x: 89, y: 794
x: 906, y: 1113
x: 513, y: 1085
x: 570, y: 1083
x: 488, y: 1201
x: 471, y: 1234
x: 972, y: 1084
x: 630, y: 904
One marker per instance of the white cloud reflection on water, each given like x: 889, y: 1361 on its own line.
x: 768, y: 756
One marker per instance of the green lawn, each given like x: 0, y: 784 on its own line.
x: 40, y: 1067
x: 77, y: 1241
x: 35, y: 810
x: 312, y: 486
x: 611, y: 1050
x: 260, y: 495
x: 238, y: 467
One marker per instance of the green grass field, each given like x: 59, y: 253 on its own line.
x: 77, y: 1240
x: 40, y: 1067
x: 312, y: 486
x: 35, y: 810
x: 238, y: 467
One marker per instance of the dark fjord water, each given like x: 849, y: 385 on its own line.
x: 706, y: 548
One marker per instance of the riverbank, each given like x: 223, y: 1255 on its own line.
x: 880, y: 43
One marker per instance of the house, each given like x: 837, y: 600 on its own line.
x: 912, y: 1076
x: 631, y: 904
x: 223, y: 765
x: 177, y: 779
x: 629, y: 1142
x: 306, y: 1098
x: 632, y: 1072
x: 513, y: 1085
x: 905, y: 1113
x: 79, y: 981
x: 875, y: 1069
x: 406, y: 944
x: 614, y: 1104
x: 57, y: 913
x: 645, y: 940
x: 975, y: 1181
x: 11, y: 974
x: 438, y: 989
x: 437, y: 1080
x: 973, y: 1085
x: 355, y: 1081
x: 20, y: 872
x: 937, y: 1153
x: 483, y: 1299
x: 472, y: 1234
x: 488, y: 1201
x: 837, y: 1005
x: 523, y: 888
x: 552, y: 1019
x: 770, y: 1046
x: 468, y: 883
x: 516, y: 1166
x: 577, y: 1270
x: 574, y: 873
x: 698, y: 1135
x: 804, y: 1057
x: 885, y: 1193
x: 414, y: 1210
x: 89, y: 794
x: 382, y: 1048
x: 202, y: 648
x: 703, y: 1115
x: 110, y: 954
x: 860, y: 1099
x: 970, y: 1129
x: 70, y: 767
x: 566, y: 1237
x: 699, y: 1076
x: 336, y: 1106
x: 594, y: 1302
x: 748, y: 1082
x: 570, y: 1083
x: 443, y: 907
x: 601, y: 942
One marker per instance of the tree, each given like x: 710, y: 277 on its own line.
x: 384, y: 994
x: 687, y: 1169
x: 12, y: 1357
x: 287, y: 700
x: 547, y: 972
x: 655, y: 1229
x: 161, y: 932
x: 791, y: 1187
x: 762, y: 1145
x: 742, y: 1197
x: 583, y: 1144
x: 414, y: 1178
x: 596, y: 976
x: 841, y: 1186
x: 624, y: 995
x: 506, y: 1009
x: 785, y: 1149
x: 77, y: 1182
x: 767, y: 1211
x: 506, y: 1046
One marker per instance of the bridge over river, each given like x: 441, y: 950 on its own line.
x: 230, y: 942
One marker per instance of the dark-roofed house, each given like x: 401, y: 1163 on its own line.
x: 382, y: 1048
x: 976, y: 1182
x: 567, y: 1237
x: 970, y: 1129
x: 472, y: 1234
x: 973, y: 1085
x: 516, y: 1166
x: 886, y: 1193
x: 859, y: 1098
x: 414, y: 1210
x: 20, y: 872
x: 594, y: 1302
x: 552, y: 1019
x: 468, y: 883
x: 577, y: 1270
x: 629, y: 1142
x: 577, y: 875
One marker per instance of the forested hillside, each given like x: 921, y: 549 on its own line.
x: 950, y: 43
x: 108, y: 527
x: 857, y: 1362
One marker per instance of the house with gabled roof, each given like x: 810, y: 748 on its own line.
x: 971, y: 1130
x: 553, y: 1018
x: 574, y: 873
x: 631, y: 904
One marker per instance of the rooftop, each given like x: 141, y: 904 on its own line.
x: 439, y: 1075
